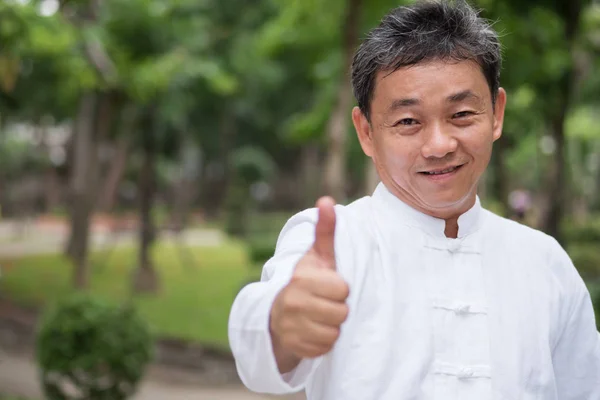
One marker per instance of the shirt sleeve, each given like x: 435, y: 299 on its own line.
x: 576, y: 356
x: 249, y: 335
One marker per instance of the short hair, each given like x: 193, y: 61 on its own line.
x: 425, y: 31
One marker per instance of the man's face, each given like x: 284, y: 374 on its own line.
x: 431, y: 133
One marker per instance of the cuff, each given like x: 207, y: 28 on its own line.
x: 253, y: 349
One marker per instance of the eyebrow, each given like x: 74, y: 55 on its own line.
x: 403, y: 103
x: 462, y: 96
x: 453, y: 98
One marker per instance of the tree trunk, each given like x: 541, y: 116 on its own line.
x: 571, y: 12
x: 93, y: 123
x: 81, y: 181
x: 337, y: 128
x: 118, y: 165
x: 146, y: 279
x: 185, y: 189
x: 115, y: 174
x: 500, y: 189
x: 52, y: 189
x: 556, y: 177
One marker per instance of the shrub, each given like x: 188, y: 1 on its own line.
x: 262, y: 248
x: 588, y: 232
x: 98, y: 350
x: 586, y: 258
x: 596, y: 301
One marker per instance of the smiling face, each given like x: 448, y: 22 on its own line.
x: 431, y: 133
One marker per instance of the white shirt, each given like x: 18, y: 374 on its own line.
x: 498, y: 313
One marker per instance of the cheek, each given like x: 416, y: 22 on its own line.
x: 478, y: 143
x: 395, y: 159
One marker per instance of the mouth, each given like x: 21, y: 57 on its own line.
x: 445, y: 171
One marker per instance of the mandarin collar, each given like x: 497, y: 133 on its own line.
x: 399, y: 211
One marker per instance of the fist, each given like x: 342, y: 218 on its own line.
x: 307, y: 314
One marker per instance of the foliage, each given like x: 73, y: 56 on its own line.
x: 587, y: 260
x: 587, y: 232
x: 261, y: 248
x: 99, y: 349
x: 596, y: 303
x: 252, y: 164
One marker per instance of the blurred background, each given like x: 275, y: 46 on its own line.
x: 151, y: 151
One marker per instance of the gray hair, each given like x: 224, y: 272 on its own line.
x: 422, y: 32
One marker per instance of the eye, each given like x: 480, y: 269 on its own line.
x: 406, y: 122
x: 463, y: 114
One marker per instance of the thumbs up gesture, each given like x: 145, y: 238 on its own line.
x: 307, y: 314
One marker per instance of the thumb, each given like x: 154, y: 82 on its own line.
x: 325, y: 231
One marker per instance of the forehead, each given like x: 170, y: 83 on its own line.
x: 430, y: 82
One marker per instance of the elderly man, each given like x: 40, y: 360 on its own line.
x: 417, y: 292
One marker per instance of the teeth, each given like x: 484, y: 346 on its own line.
x: 441, y: 172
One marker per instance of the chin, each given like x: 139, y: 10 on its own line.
x: 446, y: 203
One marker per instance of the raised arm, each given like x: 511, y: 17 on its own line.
x: 279, y: 327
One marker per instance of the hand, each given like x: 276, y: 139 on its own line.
x: 307, y: 314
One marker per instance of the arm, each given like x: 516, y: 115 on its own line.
x: 256, y: 352
x: 576, y: 356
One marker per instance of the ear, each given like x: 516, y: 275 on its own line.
x: 499, y: 109
x: 363, y: 131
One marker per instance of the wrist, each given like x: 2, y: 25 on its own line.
x: 285, y: 358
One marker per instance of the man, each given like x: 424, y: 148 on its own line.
x: 416, y: 292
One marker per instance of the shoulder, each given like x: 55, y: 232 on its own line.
x: 512, y: 232
x: 533, y: 244
x: 347, y: 216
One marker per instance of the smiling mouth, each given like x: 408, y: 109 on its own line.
x: 443, y: 171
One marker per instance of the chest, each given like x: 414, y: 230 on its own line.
x: 447, y: 316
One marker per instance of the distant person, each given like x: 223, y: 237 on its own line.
x: 417, y: 292
x: 520, y: 203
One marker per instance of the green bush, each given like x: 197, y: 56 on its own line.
x: 586, y: 258
x: 262, y: 248
x: 595, y: 293
x: 588, y: 232
x: 99, y: 349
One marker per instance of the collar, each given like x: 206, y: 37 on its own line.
x: 468, y: 222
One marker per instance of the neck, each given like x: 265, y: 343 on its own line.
x: 449, y: 214
x: 451, y: 230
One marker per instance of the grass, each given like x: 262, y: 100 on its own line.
x: 194, y: 301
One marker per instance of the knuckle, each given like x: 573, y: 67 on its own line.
x: 326, y: 349
x: 290, y: 303
x: 335, y: 334
x: 344, y: 312
x: 344, y: 289
x: 301, y: 277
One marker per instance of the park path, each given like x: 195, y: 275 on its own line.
x: 47, y: 239
x: 18, y: 377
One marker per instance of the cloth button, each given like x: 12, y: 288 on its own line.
x: 453, y: 245
x: 462, y: 309
x: 465, y: 373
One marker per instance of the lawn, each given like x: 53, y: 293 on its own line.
x: 195, y: 297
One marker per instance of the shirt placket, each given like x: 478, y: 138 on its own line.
x: 461, y: 364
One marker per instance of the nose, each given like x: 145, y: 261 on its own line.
x: 438, y: 143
